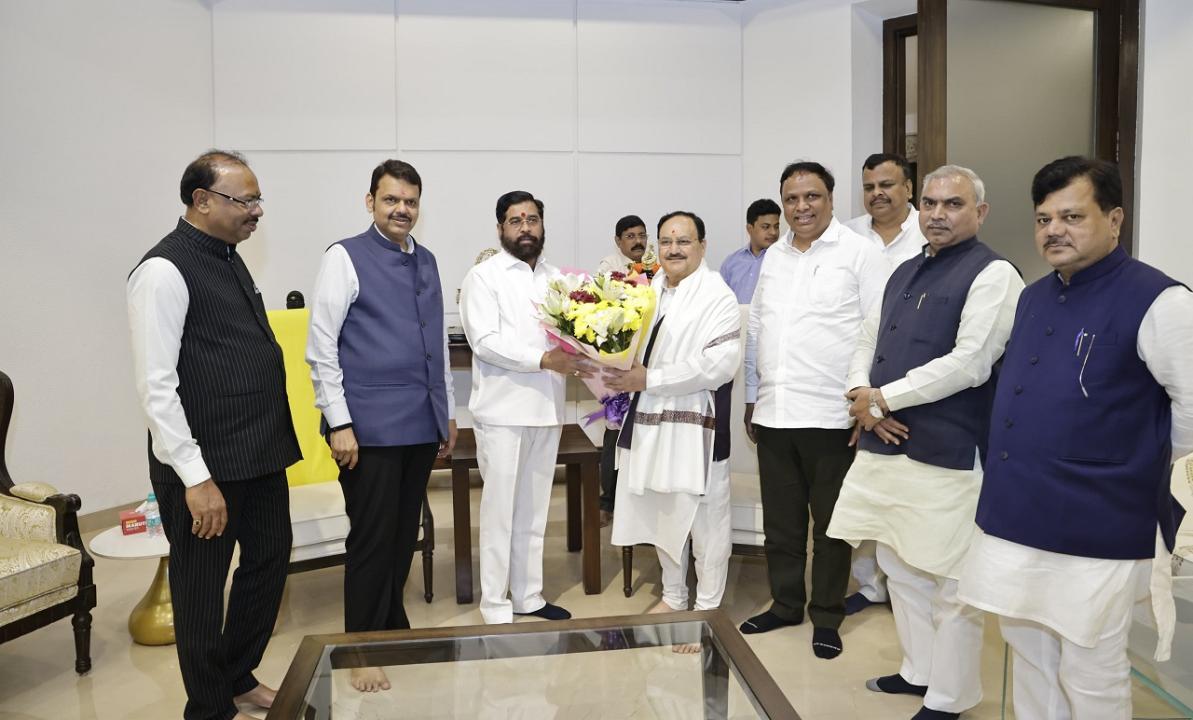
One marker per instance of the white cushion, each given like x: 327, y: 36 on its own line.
x: 745, y: 508
x: 30, y: 569
x: 317, y: 516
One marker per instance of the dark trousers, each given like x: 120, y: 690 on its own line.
x: 609, y: 470
x: 383, y: 496
x: 217, y: 654
x: 801, y: 469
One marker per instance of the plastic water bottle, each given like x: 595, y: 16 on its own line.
x: 153, y: 517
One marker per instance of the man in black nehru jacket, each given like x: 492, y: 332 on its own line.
x: 211, y: 381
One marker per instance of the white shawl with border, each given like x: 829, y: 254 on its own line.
x: 662, y: 477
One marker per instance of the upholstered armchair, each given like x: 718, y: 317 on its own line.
x: 45, y: 572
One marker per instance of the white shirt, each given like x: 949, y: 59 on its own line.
x: 803, y: 327
x: 985, y: 327
x: 1075, y: 596
x: 907, y: 244
x: 157, y: 301
x: 498, y: 309
x: 336, y: 288
x: 614, y: 261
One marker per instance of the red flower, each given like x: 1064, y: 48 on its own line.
x: 615, y: 275
x: 582, y: 296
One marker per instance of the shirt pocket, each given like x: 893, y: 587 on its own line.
x: 927, y: 316
x: 832, y: 286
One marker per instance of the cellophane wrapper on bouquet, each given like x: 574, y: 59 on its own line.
x: 604, y: 319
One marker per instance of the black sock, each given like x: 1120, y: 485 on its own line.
x: 766, y: 622
x: 896, y: 685
x: 826, y: 643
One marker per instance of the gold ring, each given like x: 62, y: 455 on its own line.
x: 576, y: 373
x: 196, y: 523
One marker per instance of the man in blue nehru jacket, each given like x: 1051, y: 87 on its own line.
x: 922, y: 384
x: 378, y: 356
x: 1094, y: 400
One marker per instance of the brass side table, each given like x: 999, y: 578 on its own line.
x: 152, y: 620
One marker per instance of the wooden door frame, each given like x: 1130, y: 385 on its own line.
x: 1116, y: 86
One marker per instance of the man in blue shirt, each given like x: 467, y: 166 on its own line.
x: 740, y: 270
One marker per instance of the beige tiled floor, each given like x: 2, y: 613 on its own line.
x: 37, y: 681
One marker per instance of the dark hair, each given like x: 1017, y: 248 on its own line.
x: 397, y: 170
x: 627, y: 222
x: 901, y: 162
x: 1058, y: 174
x: 201, y: 173
x: 758, y: 208
x: 689, y: 215
x: 516, y: 197
x: 812, y: 168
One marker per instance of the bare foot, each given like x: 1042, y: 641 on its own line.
x: 687, y: 648
x: 262, y: 696
x: 662, y: 607
x: 368, y: 679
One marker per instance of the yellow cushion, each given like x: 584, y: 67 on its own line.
x: 317, y: 465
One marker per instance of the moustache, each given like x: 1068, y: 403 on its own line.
x: 1056, y: 243
x: 937, y: 226
x: 527, y: 237
x: 636, y: 248
x: 675, y: 257
x: 402, y: 218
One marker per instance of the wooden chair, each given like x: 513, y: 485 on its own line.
x: 45, y: 571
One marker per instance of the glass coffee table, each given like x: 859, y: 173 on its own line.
x: 675, y: 665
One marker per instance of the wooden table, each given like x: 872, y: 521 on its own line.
x: 582, y: 460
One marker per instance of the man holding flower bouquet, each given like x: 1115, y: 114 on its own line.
x: 673, y: 449
x: 517, y: 409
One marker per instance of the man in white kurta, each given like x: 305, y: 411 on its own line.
x: 892, y: 225
x: 517, y: 410
x: 921, y: 390
x: 673, y: 473
x: 1076, y: 511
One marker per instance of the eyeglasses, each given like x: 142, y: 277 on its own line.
x: 636, y: 236
x: 531, y: 221
x: 250, y: 204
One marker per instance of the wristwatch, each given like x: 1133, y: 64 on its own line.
x: 875, y: 408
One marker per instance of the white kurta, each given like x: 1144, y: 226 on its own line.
x: 1077, y: 596
x: 663, y: 477
x: 926, y: 513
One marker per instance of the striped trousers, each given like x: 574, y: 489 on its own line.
x: 217, y: 654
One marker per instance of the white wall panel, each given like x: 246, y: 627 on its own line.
x: 105, y: 103
x: 476, y: 74
x: 798, y: 105
x: 659, y: 77
x: 460, y: 192
x: 1165, y: 153
x: 649, y: 186
x: 311, y: 201
x: 304, y: 74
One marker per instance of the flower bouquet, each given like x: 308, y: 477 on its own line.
x: 601, y: 318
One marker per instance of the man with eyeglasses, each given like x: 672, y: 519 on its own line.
x: 517, y: 406
x: 674, y: 446
x: 629, y: 236
x: 377, y: 348
x: 740, y: 270
x: 212, y: 384
x: 1076, y: 512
